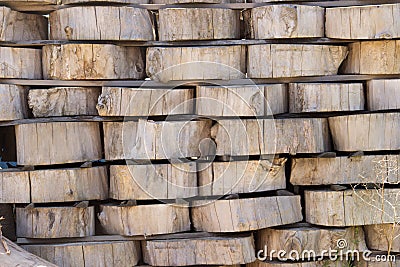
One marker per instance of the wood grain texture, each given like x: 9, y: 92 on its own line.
x: 14, y: 187
x: 383, y: 237
x: 207, y: 251
x: 366, y: 132
x: 57, y: 142
x: 256, y: 100
x: 123, y: 220
x: 352, y: 207
x: 63, y: 101
x: 101, y: 23
x: 383, y: 94
x: 377, y: 169
x: 55, y: 222
x: 287, y: 21
x: 377, y: 262
x: 87, y: 254
x: 117, y: 101
x: 294, y: 60
x: 92, y: 61
x: 65, y: 2
x: 13, y: 102
x: 322, y: 263
x: 155, y: 181
x: 240, y: 215
x: 222, y: 178
x: 325, y: 97
x: 196, y: 63
x: 171, y: 2
x: 198, y: 24
x: 363, y: 22
x: 23, y: 63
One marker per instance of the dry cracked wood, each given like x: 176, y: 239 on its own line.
x: 321, y: 263
x: 101, y: 23
x: 14, y: 187
x: 92, y: 61
x: 65, y: 2
x: 293, y: 60
x: 196, y: 63
x: 13, y: 102
x: 383, y: 94
x: 86, y: 254
x: 287, y: 21
x: 63, y: 101
x: 198, y: 24
x: 378, y: 169
x: 171, y: 2
x: 352, y: 207
x: 23, y: 63
x: 116, y: 101
x: 325, y: 97
x: 222, y: 178
x: 256, y: 100
x: 199, y: 251
x: 239, y: 215
x: 267, y: 136
x: 55, y: 222
x: 156, y: 140
x: 153, y: 181
x: 373, y: 57
x: 376, y: 260
x: 383, y: 237
x: 366, y: 132
x: 57, y: 142
x: 363, y: 22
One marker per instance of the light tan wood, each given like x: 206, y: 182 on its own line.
x: 92, y: 61
x: 383, y: 237
x: 373, y: 57
x: 156, y: 140
x: 207, y: 251
x: 117, y: 101
x: 321, y: 263
x: 196, y: 63
x: 325, y: 97
x: 13, y: 102
x: 198, y: 24
x: 239, y: 215
x: 352, y: 207
x: 256, y: 100
x: 366, y: 132
x: 155, y: 219
x: 117, y: 253
x: 363, y: 22
x: 293, y: 60
x: 63, y: 101
x: 267, y: 136
x: 101, y: 23
x: 378, y: 169
x: 57, y: 142
x: 222, y: 178
x: 287, y: 21
x: 383, y: 94
x: 24, y: 63
x: 65, y: 2
x: 55, y: 222
x: 14, y: 187
x: 153, y: 181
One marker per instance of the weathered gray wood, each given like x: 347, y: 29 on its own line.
x: 207, y: 251
x: 352, y: 207
x: 383, y: 94
x: 256, y: 100
x: 92, y: 61
x: 14, y: 187
x: 222, y: 178
x: 377, y: 260
x: 171, y: 2
x: 153, y: 181
x: 321, y: 263
x: 57, y: 142
x: 383, y: 237
x: 63, y: 101
x: 325, y: 97
x: 117, y: 101
x: 24, y: 63
x: 196, y: 63
x: 13, y: 102
x: 239, y: 215
x: 117, y: 253
x: 344, y: 170
x: 366, y: 132
x: 294, y: 60
x: 124, y: 220
x: 198, y: 24
x: 101, y: 23
x: 65, y: 2
x: 363, y: 22
x: 55, y: 222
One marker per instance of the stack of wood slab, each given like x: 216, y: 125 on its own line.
x: 225, y: 152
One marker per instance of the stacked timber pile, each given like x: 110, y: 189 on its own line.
x: 206, y: 132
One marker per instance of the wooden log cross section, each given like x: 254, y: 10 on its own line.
x: 13, y: 102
